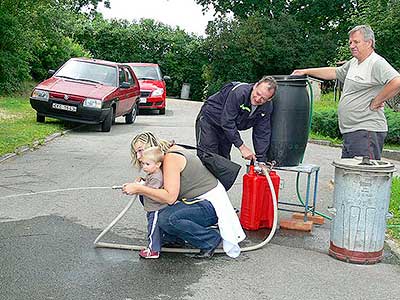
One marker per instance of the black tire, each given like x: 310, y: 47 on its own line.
x: 40, y: 118
x: 161, y: 111
x: 108, y: 121
x: 130, y: 118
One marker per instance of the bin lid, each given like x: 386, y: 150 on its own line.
x: 359, y: 163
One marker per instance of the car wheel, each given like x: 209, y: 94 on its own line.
x: 162, y: 111
x: 40, y: 118
x: 131, y: 117
x: 108, y: 121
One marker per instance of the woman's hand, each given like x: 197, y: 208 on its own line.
x: 131, y: 188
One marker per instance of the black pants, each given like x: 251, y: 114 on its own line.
x: 211, y: 138
x: 363, y: 143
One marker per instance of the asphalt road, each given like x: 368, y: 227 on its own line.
x: 55, y: 200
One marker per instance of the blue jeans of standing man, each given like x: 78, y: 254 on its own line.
x: 191, y: 223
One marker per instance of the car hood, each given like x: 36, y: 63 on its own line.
x: 79, y: 88
x: 150, y: 85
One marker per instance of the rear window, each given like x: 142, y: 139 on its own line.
x: 87, y: 71
x: 147, y: 72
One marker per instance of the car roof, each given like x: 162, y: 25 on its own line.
x: 100, y: 61
x: 140, y: 64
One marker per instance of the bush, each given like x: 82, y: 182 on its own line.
x: 393, y: 120
x: 325, y: 122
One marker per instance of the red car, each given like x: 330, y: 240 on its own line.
x: 88, y: 91
x: 153, y: 91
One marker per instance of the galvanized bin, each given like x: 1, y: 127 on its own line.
x: 360, y: 202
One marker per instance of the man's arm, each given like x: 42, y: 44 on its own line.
x: 388, y: 92
x: 326, y: 73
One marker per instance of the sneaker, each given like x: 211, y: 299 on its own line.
x: 148, y: 253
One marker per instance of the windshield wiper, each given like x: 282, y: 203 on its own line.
x: 147, y: 78
x: 67, y: 77
x: 89, y: 80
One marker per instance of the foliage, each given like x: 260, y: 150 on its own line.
x: 30, y: 53
x: 383, y: 16
x: 325, y: 122
x: 247, y: 49
x: 393, y: 120
x: 180, y: 55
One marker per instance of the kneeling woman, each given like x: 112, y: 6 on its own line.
x: 205, y: 201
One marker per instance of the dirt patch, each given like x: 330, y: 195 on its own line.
x: 5, y: 115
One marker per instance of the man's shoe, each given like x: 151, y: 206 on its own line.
x: 205, y: 253
x: 148, y: 253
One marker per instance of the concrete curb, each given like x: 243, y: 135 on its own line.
x: 393, y: 245
x: 36, y: 144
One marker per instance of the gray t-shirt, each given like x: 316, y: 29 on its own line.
x: 362, y: 82
x: 155, y: 181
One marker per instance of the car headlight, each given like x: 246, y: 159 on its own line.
x: 40, y: 95
x: 93, y: 103
x: 157, y: 92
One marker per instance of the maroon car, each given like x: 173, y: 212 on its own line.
x: 88, y: 91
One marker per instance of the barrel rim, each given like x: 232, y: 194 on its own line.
x: 379, y: 166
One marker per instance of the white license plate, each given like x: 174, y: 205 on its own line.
x: 64, y: 107
x: 143, y: 100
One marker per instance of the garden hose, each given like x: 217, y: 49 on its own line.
x: 186, y: 250
x: 301, y: 160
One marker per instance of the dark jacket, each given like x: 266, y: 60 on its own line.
x: 230, y: 109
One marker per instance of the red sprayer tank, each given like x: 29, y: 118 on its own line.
x: 257, y: 210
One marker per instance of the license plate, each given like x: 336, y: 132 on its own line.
x: 143, y: 100
x: 64, y: 107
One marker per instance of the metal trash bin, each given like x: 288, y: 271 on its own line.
x: 360, y: 204
x: 185, y: 91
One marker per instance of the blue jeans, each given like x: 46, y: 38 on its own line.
x: 191, y: 223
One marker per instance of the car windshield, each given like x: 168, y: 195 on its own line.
x: 147, y: 72
x: 90, y: 72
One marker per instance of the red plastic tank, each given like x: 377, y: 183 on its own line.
x: 257, y: 210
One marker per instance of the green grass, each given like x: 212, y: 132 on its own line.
x: 394, y: 208
x: 18, y: 124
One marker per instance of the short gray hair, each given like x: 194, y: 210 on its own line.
x: 366, y: 31
x: 272, y: 84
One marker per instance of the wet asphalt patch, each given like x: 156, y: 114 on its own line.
x: 53, y: 258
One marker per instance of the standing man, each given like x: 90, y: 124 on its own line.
x: 237, y: 106
x: 369, y: 80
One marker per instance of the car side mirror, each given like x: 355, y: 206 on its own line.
x: 167, y: 78
x: 125, y: 85
x: 51, y: 72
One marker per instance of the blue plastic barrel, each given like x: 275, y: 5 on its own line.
x: 360, y: 203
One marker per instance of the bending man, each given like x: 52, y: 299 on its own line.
x: 237, y: 106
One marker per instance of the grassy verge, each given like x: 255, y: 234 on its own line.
x: 18, y: 124
x: 394, y: 208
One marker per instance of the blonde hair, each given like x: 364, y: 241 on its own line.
x: 154, y: 154
x: 148, y: 140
